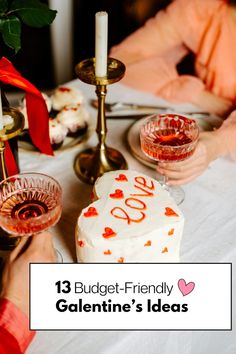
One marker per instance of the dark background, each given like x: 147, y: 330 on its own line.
x: 34, y: 60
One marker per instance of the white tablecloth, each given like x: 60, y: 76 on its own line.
x: 209, y: 236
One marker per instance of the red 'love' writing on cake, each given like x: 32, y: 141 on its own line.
x: 132, y: 219
x: 147, y: 189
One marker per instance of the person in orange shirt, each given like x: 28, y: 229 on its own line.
x: 208, y: 30
x: 15, y: 335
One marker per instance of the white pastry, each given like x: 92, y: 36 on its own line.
x: 57, y: 133
x: 64, y: 96
x: 74, y: 117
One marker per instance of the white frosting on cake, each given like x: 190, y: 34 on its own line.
x: 133, y: 220
x: 57, y: 131
x: 64, y: 96
x: 73, y: 117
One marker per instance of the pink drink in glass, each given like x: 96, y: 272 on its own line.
x: 169, y: 137
x: 29, y: 203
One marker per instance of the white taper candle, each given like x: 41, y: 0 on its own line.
x: 101, y: 30
x: 1, y: 117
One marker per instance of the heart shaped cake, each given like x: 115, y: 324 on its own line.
x: 132, y: 219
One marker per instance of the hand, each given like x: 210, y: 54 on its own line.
x: 185, y: 171
x: 15, y: 281
x: 214, y: 104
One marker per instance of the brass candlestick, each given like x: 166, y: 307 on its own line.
x: 10, y: 130
x: 94, y: 162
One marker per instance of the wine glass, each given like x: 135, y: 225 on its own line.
x: 169, y: 138
x: 30, y: 203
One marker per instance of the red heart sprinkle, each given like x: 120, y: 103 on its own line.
x: 171, y: 232
x: 148, y: 243
x: 120, y: 260
x: 108, y: 232
x: 165, y: 249
x: 121, y: 178
x: 107, y: 253
x: 118, y: 194
x: 64, y: 89
x: 91, y: 212
x: 81, y: 243
x: 170, y: 212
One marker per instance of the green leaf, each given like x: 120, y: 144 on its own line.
x: 3, y: 6
x: 33, y: 13
x: 11, y: 32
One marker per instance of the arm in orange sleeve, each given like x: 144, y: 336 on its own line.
x: 8, y: 344
x: 159, y: 37
x: 15, y: 335
x: 153, y: 51
x: 14, y: 298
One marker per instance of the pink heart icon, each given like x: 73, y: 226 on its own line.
x: 185, y: 288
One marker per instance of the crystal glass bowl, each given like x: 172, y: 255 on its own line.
x: 169, y: 137
x: 29, y: 203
